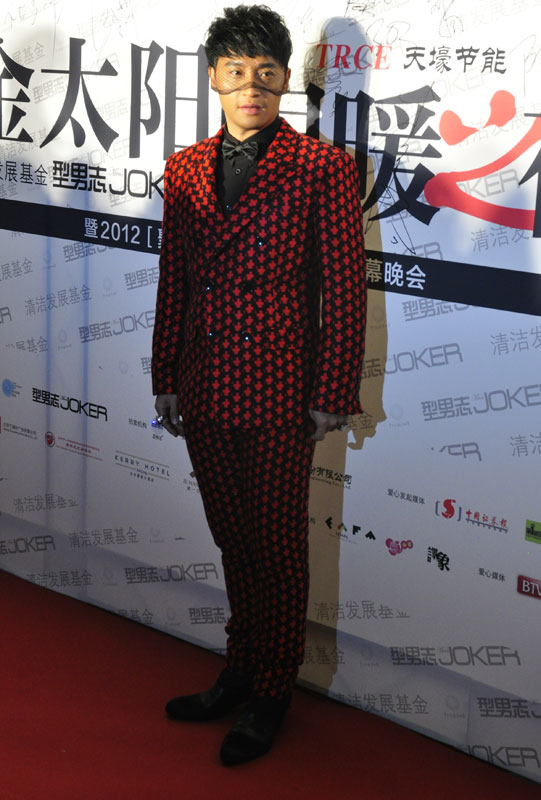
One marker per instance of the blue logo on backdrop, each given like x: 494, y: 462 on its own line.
x: 8, y: 387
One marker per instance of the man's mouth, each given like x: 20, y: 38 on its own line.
x: 251, y: 108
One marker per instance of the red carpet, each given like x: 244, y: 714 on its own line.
x: 83, y: 696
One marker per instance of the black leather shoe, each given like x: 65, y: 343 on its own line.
x: 253, y: 733
x: 229, y: 691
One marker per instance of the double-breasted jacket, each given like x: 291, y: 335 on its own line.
x: 261, y: 311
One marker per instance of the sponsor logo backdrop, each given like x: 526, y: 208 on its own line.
x: 425, y: 514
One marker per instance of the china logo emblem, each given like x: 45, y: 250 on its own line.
x: 50, y: 439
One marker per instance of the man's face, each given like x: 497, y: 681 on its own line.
x: 250, y: 91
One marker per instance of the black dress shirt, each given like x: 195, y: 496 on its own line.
x: 232, y: 174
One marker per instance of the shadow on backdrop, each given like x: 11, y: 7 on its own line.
x: 332, y: 81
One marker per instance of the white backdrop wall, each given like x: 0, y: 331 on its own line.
x: 425, y: 514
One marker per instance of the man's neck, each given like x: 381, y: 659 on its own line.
x: 265, y: 134
x: 242, y: 135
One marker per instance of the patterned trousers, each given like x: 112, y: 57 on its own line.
x: 254, y: 485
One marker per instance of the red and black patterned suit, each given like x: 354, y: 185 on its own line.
x: 260, y: 317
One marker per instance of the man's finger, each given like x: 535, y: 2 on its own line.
x: 169, y: 427
x: 173, y: 412
x: 167, y: 408
x: 320, y: 431
x: 180, y: 428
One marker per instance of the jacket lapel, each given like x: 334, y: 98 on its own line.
x: 272, y: 174
x: 204, y: 184
x: 272, y: 171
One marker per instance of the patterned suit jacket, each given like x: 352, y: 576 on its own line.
x: 261, y: 312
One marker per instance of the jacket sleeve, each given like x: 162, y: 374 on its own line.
x: 342, y: 264
x: 172, y: 294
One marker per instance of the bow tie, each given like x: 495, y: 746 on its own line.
x: 247, y: 149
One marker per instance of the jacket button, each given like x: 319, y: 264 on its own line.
x: 209, y: 286
x: 211, y: 334
x: 246, y: 336
x: 260, y: 242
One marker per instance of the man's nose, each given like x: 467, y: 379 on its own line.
x: 251, y: 87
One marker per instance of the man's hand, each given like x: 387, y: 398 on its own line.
x: 325, y: 423
x: 166, y: 407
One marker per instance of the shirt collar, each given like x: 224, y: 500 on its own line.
x: 263, y: 137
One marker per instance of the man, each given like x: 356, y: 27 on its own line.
x: 258, y: 344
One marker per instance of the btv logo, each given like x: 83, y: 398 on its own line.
x: 448, y: 509
x: 529, y: 586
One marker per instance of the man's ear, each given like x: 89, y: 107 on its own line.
x: 286, y: 84
x: 212, y: 76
